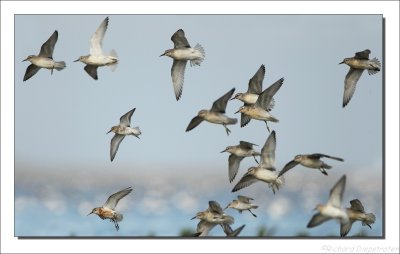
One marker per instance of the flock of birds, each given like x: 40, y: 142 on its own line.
x: 257, y: 105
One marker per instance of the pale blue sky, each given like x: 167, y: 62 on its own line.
x: 67, y: 115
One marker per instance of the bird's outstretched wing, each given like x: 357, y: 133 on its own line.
x: 336, y: 193
x: 48, y: 47
x: 179, y: 40
x: 112, y: 201
x: 220, y: 104
x: 114, y: 145
x: 255, y: 83
x: 96, y: 41
x: 350, y: 83
x: 125, y: 120
x: 363, y: 54
x: 194, y: 122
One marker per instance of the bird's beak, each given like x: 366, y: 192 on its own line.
x: 90, y: 213
x: 226, y: 207
x: 137, y: 137
x: 341, y: 62
x: 237, y: 111
x: 193, y: 218
x: 234, y: 97
x: 109, y: 131
x: 223, y: 151
x: 163, y: 54
x: 76, y: 60
x: 25, y: 60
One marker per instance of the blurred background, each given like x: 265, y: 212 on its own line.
x: 62, y: 163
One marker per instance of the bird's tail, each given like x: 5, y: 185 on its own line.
x: 59, y: 65
x: 232, y: 121
x: 201, y: 57
x: 273, y: 119
x: 326, y: 166
x: 376, y: 66
x: 118, y: 217
x: 114, y: 66
x: 369, y: 219
x: 271, y: 105
x: 254, y: 206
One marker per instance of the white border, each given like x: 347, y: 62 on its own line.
x: 10, y: 244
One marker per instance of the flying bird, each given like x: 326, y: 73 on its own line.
x: 243, y: 204
x: 265, y: 171
x: 238, y: 152
x: 216, y: 114
x: 358, y: 64
x: 44, y: 59
x: 107, y: 211
x: 96, y: 58
x: 356, y: 212
x: 259, y: 110
x: 121, y: 131
x: 254, y: 89
x: 310, y: 161
x: 211, y: 217
x: 332, y: 209
x: 181, y: 53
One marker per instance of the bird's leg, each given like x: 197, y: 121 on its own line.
x: 266, y: 123
x: 115, y: 223
x: 52, y: 71
x: 226, y: 129
x: 252, y: 213
x: 273, y: 189
x: 323, y: 171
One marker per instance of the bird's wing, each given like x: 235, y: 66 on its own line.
x: 96, y: 40
x: 336, y: 193
x: 316, y: 220
x: 289, y: 165
x: 345, y: 228
x: 115, y: 141
x: 356, y: 205
x: 91, y: 70
x: 112, y: 201
x: 244, y: 119
x: 246, y: 145
x: 265, y: 98
x: 232, y: 233
x: 363, y: 54
x: 246, y: 181
x: 220, y: 104
x: 244, y: 199
x: 179, y: 40
x: 215, y: 207
x: 48, y: 47
x: 30, y: 71
x: 268, y: 152
x: 178, y: 76
x: 255, y: 83
x: 234, y: 162
x: 319, y: 155
x: 350, y: 84
x: 194, y: 122
x: 204, y: 227
x: 125, y: 120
